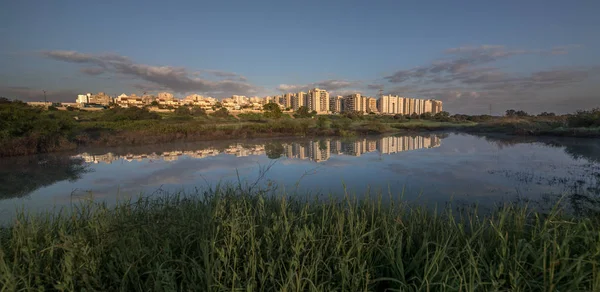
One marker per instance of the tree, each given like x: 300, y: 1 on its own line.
x: 547, y: 114
x: 426, y: 116
x: 272, y: 110
x: 221, y: 113
x: 154, y: 103
x: 322, y: 122
x: 354, y: 115
x: 514, y: 113
x: 217, y: 105
x: 183, y: 111
x: 197, y: 111
x: 302, y: 112
x: 510, y: 113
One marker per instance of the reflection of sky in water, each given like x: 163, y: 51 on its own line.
x: 463, y: 167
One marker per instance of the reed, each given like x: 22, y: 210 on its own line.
x: 227, y: 239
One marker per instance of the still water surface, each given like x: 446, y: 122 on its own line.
x: 429, y: 169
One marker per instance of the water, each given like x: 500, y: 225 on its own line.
x: 429, y: 169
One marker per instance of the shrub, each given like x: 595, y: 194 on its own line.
x: 129, y: 114
x: 272, y: 110
x: 514, y: 113
x: 322, y: 122
x: 198, y: 111
x: 221, y: 113
x: 399, y: 117
x: 589, y: 118
x: 183, y: 111
x: 354, y: 115
x: 303, y: 112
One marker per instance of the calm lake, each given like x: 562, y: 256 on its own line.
x: 427, y: 169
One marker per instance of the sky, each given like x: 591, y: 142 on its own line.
x: 475, y: 56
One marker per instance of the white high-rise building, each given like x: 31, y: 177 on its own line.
x: 318, y: 100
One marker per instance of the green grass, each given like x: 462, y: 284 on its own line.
x: 238, y: 241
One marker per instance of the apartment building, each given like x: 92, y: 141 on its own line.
x: 336, y: 104
x: 391, y: 104
x: 436, y: 106
x: 355, y: 103
x: 318, y: 100
x: 100, y: 98
x: 166, y: 96
x: 287, y: 100
x: 298, y: 100
x: 372, y: 105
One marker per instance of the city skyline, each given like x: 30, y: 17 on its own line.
x: 316, y: 100
x: 475, y: 57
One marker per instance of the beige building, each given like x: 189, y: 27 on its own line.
x: 192, y: 98
x: 165, y: 96
x: 318, y: 100
x: 100, y: 98
x: 372, y: 105
x: 436, y: 106
x: 336, y: 104
x: 298, y: 100
x: 355, y: 103
x: 128, y: 101
x: 391, y: 104
x: 287, y: 100
x: 428, y: 106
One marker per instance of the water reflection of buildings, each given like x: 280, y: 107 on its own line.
x: 317, y: 150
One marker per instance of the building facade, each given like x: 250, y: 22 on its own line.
x: 318, y: 101
x: 355, y: 103
x: 336, y: 104
x: 298, y: 100
x: 372, y: 105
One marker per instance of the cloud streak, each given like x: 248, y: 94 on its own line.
x: 177, y: 79
x: 329, y: 85
x: 468, y: 74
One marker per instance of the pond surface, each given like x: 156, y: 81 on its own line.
x: 429, y: 169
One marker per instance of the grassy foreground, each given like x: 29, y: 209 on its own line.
x: 235, y: 241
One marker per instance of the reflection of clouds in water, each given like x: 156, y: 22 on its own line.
x: 181, y: 172
x: 337, y: 162
x: 104, y: 181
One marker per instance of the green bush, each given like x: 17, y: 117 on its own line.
x: 198, y: 111
x: 354, y: 115
x: 129, y: 114
x: 221, y: 113
x: 272, y: 110
x: 303, y: 113
x: 183, y: 111
x: 589, y: 118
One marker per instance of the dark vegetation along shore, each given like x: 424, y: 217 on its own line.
x: 234, y: 239
x: 29, y: 130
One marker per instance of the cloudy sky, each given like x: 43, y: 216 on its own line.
x: 473, y: 55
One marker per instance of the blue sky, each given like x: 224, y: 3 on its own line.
x: 531, y: 55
